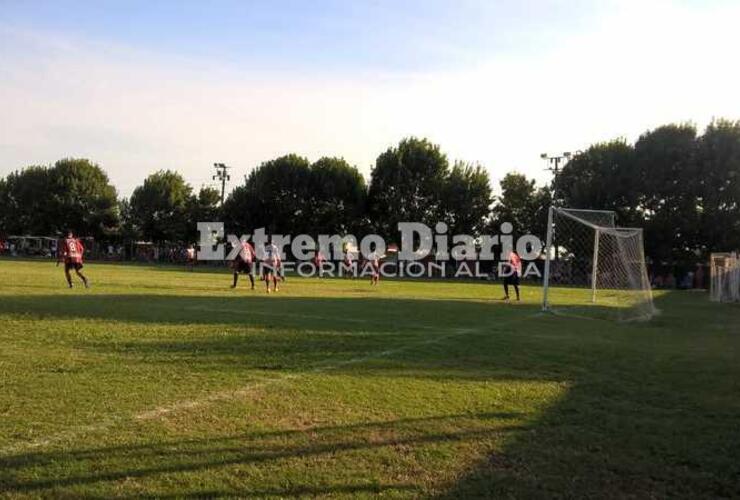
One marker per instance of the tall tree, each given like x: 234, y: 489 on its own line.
x: 83, y: 198
x: 407, y: 184
x: 26, y: 202
x: 466, y: 199
x: 202, y: 208
x: 73, y: 194
x: 276, y: 196
x: 337, y: 197
x: 160, y: 207
x: 667, y: 191
x: 601, y: 178
x: 521, y: 204
x: 718, y: 176
x: 290, y: 196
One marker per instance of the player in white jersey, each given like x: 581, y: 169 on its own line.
x: 374, y: 261
x: 271, y: 263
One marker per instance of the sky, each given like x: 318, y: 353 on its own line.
x: 139, y: 86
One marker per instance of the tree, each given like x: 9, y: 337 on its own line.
x: 237, y: 209
x: 521, y: 204
x: 275, y: 196
x: 83, y: 198
x: 407, y: 185
x: 601, y: 178
x: 338, y: 196
x: 202, y: 208
x: 466, y: 199
x: 666, y: 192
x: 4, y: 197
x: 73, y: 194
x: 718, y: 177
x: 288, y: 195
x: 159, y: 207
x: 26, y: 202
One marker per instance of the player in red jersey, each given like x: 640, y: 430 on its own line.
x: 514, y: 271
x: 271, y: 264
x: 318, y: 262
x: 72, y: 252
x: 244, y: 262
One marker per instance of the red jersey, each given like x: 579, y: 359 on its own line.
x: 72, y: 250
x: 247, y: 252
x: 516, y: 263
x: 318, y: 259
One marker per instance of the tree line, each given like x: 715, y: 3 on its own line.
x: 682, y: 187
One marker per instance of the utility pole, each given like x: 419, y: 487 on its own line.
x: 222, y: 176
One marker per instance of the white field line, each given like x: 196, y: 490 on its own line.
x: 241, y: 392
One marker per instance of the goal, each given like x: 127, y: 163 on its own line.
x: 594, y: 268
x: 724, y: 269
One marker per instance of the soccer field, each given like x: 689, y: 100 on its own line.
x: 162, y: 382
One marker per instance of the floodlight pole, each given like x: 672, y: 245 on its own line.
x: 223, y: 177
x: 548, y: 246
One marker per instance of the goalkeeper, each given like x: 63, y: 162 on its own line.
x: 513, y: 271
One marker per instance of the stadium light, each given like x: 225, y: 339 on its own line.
x: 223, y: 176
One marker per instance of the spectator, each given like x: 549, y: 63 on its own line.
x: 699, y: 276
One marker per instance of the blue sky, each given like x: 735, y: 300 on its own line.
x: 322, y: 35
x: 138, y: 86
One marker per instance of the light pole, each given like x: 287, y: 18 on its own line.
x: 553, y: 165
x: 223, y: 176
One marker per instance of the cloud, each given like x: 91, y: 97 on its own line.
x: 135, y: 112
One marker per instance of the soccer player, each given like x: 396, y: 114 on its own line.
x: 72, y: 251
x: 349, y: 264
x: 244, y: 263
x: 374, y: 260
x: 270, y: 266
x: 318, y: 261
x: 190, y: 257
x: 514, y: 271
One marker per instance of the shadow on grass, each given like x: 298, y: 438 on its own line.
x: 110, y: 464
x: 651, y: 409
x: 657, y: 419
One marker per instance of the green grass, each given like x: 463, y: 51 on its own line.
x: 160, y: 382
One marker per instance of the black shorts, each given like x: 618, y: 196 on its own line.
x: 512, y: 280
x: 242, y: 267
x: 68, y: 266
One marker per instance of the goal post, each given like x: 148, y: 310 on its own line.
x: 594, y: 268
x: 724, y: 271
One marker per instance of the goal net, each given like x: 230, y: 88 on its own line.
x: 724, y: 271
x: 594, y: 268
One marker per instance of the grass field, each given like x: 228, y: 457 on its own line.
x: 160, y: 382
